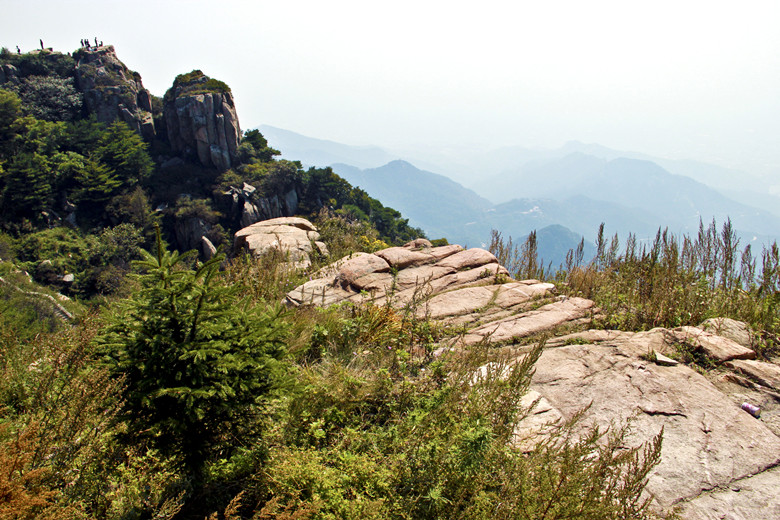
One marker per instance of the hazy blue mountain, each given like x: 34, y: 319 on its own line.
x: 431, y: 201
x: 444, y: 208
x: 717, y: 177
x: 320, y: 152
x: 579, y: 213
x: 555, y: 241
x: 665, y: 199
x: 476, y: 167
x: 509, y: 160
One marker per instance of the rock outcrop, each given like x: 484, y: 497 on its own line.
x: 112, y: 91
x: 201, y: 120
x: 8, y: 74
x: 710, y: 443
x: 295, y: 237
x: 717, y: 460
x: 246, y: 207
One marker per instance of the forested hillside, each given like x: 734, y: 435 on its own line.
x: 88, y: 153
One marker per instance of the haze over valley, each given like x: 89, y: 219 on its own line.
x: 567, y: 191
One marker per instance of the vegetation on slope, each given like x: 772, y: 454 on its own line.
x: 343, y: 413
x: 671, y: 282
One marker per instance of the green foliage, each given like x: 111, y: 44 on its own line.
x: 46, y: 163
x: 254, y: 147
x: 10, y: 111
x: 362, y: 441
x: 98, y: 262
x: 29, y: 175
x: 27, y: 309
x: 51, y: 98
x: 133, y: 207
x: 27, y: 189
x: 193, y: 83
x: 44, y: 63
x: 57, y: 415
x: 197, y: 363
x: 97, y: 183
x: 145, y: 485
x: 124, y: 152
x: 345, y: 236
x: 82, y: 135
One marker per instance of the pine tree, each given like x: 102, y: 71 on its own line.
x: 197, y: 363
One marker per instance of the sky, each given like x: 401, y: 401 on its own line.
x: 678, y: 79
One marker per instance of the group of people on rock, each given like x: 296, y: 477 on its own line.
x: 87, y: 45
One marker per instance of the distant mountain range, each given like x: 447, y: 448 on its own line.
x: 440, y: 206
x: 566, y: 192
x: 320, y: 152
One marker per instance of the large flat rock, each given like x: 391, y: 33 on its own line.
x: 709, y: 441
x: 529, y: 323
x: 439, y: 282
x: 293, y: 236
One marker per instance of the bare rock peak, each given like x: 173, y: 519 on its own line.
x: 202, y: 121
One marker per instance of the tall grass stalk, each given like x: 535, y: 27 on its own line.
x: 668, y: 282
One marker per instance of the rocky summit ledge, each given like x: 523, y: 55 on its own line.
x: 717, y: 460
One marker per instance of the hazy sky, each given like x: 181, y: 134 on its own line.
x: 688, y: 79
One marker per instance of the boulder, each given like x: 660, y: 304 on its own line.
x: 737, y: 331
x: 295, y: 237
x: 207, y: 249
x: 546, y: 318
x: 403, y: 274
x: 766, y: 374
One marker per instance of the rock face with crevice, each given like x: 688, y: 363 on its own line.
x: 717, y: 460
x: 201, y: 119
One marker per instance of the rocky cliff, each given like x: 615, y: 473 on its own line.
x: 201, y: 119
x: 112, y: 91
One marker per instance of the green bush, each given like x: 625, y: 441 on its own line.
x: 193, y: 83
x: 197, y: 364
x: 49, y: 97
